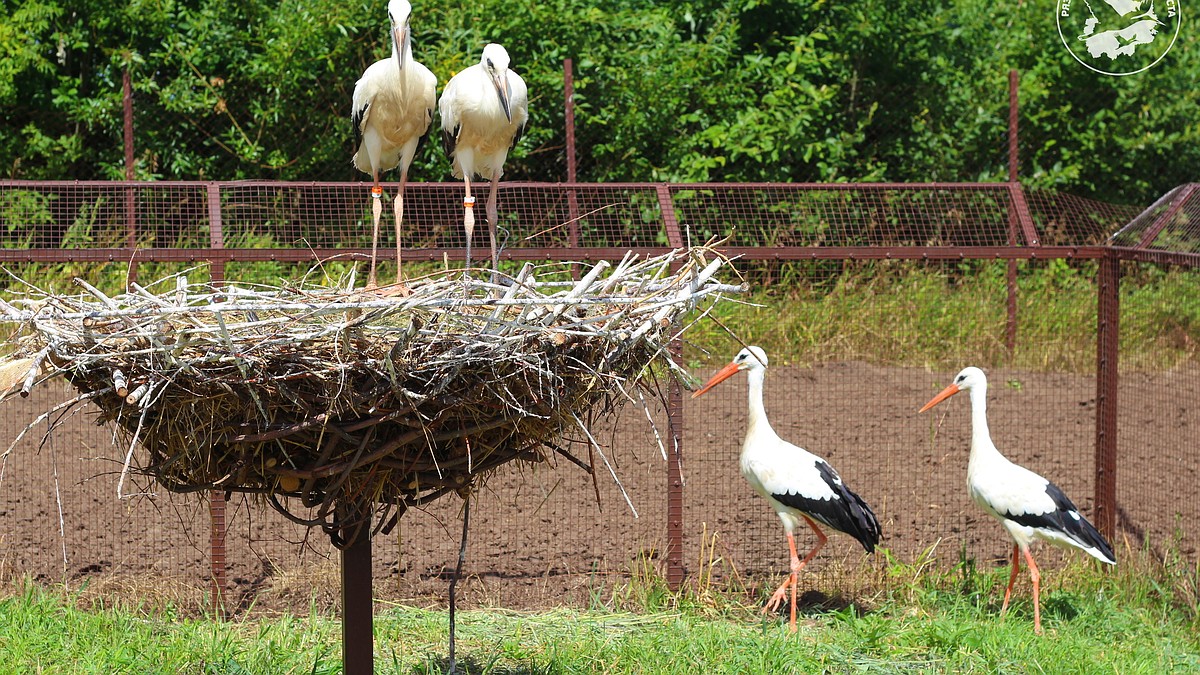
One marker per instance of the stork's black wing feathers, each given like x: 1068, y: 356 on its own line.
x: 517, y: 136
x: 357, y: 116
x: 450, y: 139
x: 428, y: 129
x: 1064, y: 518
x: 846, y: 512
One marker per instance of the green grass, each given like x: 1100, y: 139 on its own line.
x: 1139, y: 618
x: 896, y: 313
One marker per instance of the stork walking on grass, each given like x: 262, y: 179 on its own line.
x: 801, y: 487
x: 484, y: 109
x: 1029, y: 506
x: 392, y: 112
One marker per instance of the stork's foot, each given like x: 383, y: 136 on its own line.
x: 777, y: 598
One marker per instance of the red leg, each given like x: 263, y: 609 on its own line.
x: 780, y: 593
x: 1037, y: 605
x: 376, y: 211
x: 398, y: 207
x: 1012, y: 578
x: 468, y: 217
x: 491, y: 216
x: 796, y: 565
x: 821, y: 539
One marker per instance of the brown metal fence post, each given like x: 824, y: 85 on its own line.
x: 130, y: 174
x: 1108, y: 313
x: 1010, y: 326
x: 216, y: 498
x: 674, y: 556
x: 216, y: 232
x: 675, y: 475
x: 572, y: 197
x: 569, y: 115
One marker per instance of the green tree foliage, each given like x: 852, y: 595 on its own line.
x: 729, y: 90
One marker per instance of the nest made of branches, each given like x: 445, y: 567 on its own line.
x: 359, y: 403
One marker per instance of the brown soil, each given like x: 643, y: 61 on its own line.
x: 540, y: 537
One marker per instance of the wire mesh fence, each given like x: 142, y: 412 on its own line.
x: 546, y: 534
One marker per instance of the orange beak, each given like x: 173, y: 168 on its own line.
x: 722, y: 375
x: 945, y: 394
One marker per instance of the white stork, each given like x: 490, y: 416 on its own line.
x: 800, y: 486
x: 1029, y: 506
x: 484, y: 109
x: 392, y: 113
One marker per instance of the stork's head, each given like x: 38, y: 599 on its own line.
x: 967, y: 379
x: 495, y: 64
x: 399, y: 12
x: 750, y: 358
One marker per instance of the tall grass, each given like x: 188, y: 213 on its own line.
x: 901, y: 313
x: 1140, y: 617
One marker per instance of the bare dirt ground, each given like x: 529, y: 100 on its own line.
x: 540, y: 535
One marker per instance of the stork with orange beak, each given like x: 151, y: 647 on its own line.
x: 799, y: 486
x: 1030, y: 507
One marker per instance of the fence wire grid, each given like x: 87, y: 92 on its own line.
x: 544, y: 535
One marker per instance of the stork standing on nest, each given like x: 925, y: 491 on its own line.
x: 1026, y: 504
x: 392, y: 112
x: 484, y: 109
x: 801, y: 487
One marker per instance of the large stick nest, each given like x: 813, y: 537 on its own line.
x: 356, y: 402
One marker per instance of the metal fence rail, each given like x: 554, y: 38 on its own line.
x: 554, y: 532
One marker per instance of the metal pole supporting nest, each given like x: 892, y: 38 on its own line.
x: 358, y: 656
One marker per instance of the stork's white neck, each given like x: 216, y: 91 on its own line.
x: 981, y: 438
x: 757, y: 423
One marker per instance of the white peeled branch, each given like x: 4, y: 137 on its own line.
x: 120, y: 386
x: 136, y: 395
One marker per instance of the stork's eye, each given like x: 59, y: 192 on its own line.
x: 490, y: 66
x: 960, y: 378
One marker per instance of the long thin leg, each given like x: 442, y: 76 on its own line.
x: 491, y: 216
x: 468, y: 217
x: 780, y: 593
x: 795, y: 578
x: 462, y: 556
x: 1012, y: 578
x: 398, y: 206
x: 1037, y: 603
x: 796, y: 565
x: 376, y: 211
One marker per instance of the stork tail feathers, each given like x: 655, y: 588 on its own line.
x: 867, y: 530
x: 1067, y: 525
x: 1087, y: 537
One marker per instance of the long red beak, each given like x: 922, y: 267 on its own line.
x: 945, y: 394
x: 722, y: 375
